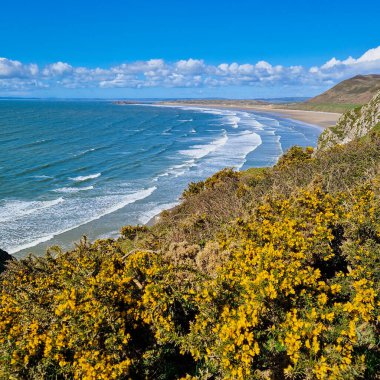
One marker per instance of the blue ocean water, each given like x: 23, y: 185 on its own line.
x: 69, y: 168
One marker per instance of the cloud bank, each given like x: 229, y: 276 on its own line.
x: 190, y: 73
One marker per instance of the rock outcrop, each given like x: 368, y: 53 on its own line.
x: 4, y: 257
x: 352, y: 124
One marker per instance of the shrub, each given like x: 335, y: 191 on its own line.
x: 295, y: 154
x: 130, y: 232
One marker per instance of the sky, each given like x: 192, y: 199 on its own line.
x: 208, y: 48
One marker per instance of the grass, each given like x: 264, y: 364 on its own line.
x: 327, y: 107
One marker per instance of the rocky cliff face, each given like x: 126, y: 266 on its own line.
x: 352, y: 124
x: 4, y: 257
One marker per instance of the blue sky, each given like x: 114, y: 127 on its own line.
x: 103, y: 48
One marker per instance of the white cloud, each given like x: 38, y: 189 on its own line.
x: 57, y: 69
x: 264, y: 66
x: 15, y: 69
x: 15, y: 75
x: 370, y: 55
x: 335, y: 69
x: 190, y: 66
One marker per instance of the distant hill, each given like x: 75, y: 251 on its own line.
x: 356, y: 90
x: 344, y: 96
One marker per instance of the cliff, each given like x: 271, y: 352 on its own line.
x: 353, y: 124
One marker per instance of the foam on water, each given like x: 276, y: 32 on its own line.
x: 176, y: 170
x: 86, y: 151
x: 86, y: 178
x: 199, y: 151
x: 234, y: 121
x: 15, y: 209
x: 234, y: 153
x: 73, y: 189
x: 58, y: 220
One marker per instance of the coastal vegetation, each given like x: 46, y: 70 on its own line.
x: 355, y: 123
x: 322, y: 107
x: 268, y: 273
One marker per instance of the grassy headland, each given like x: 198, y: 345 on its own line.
x: 346, y: 95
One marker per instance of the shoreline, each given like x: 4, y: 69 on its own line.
x: 314, y: 118
x: 156, y: 218
x: 320, y: 118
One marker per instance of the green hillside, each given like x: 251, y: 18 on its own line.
x: 344, y: 96
x: 357, y: 90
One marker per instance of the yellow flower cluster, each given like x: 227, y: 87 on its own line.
x: 287, y: 294
x: 76, y: 313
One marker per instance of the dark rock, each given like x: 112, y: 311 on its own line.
x: 4, y: 257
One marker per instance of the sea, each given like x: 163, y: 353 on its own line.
x: 74, y: 168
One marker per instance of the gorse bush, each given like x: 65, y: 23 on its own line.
x: 264, y: 274
x: 79, y: 315
x: 293, y: 299
x: 218, y: 179
x: 295, y: 154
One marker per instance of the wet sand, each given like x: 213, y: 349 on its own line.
x: 322, y: 119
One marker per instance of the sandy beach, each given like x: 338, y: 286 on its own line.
x: 322, y: 119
